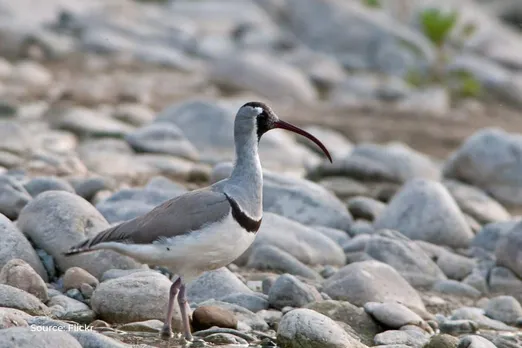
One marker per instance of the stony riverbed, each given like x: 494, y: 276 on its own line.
x: 109, y: 110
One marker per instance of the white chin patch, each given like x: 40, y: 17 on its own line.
x: 258, y: 110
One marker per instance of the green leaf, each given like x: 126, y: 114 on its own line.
x: 437, y: 24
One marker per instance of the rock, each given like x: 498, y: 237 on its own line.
x: 453, y: 287
x: 268, y: 257
x: 298, y: 199
x: 162, y: 138
x: 303, y: 243
x: 56, y: 220
x: 88, y: 187
x: 246, y: 71
x: 153, y: 325
x: 355, y: 317
x: 246, y: 319
x: 474, y: 341
x: 455, y: 266
x: 66, y: 308
x: 396, y: 337
x: 225, y: 339
x: 22, y: 337
x: 21, y: 275
x: 117, y: 273
x: 215, y: 285
x: 92, y: 339
x: 365, y: 207
x: 393, y: 315
x: 12, y: 297
x: 334, y: 141
x: 289, y: 291
x: 13, y: 197
x: 442, y: 341
x: 360, y: 26
x: 15, y: 139
x: 477, y: 315
x: 394, y: 162
x: 476, y: 203
x: 509, y: 250
x: 361, y: 227
x: 489, y: 235
x: 10, y: 317
x: 478, y: 159
x: 458, y: 327
x: 86, y: 290
x: 406, y: 257
x: 135, y: 297
x: 31, y: 74
x: 504, y: 308
x: 129, y: 203
x: 424, y: 210
x: 134, y: 114
x: 41, y: 184
x: 205, y: 317
x: 503, y: 281
x: 253, y: 302
x: 367, y: 281
x: 344, y: 187
x: 305, y: 327
x: 338, y: 236
x: 14, y: 245
x: 74, y: 277
x: 86, y: 122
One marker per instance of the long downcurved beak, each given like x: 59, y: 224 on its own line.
x: 292, y: 128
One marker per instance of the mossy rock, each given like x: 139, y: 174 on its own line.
x: 442, y: 341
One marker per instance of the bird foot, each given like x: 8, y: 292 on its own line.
x: 166, y: 333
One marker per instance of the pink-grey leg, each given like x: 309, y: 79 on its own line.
x: 166, y: 331
x: 184, y: 310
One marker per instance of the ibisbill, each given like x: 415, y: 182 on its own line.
x: 204, y: 229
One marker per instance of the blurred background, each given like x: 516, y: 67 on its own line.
x: 427, y: 73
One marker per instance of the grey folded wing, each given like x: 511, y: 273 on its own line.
x: 178, y: 216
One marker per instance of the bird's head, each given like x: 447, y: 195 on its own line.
x: 260, y: 118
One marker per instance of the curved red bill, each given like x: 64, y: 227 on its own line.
x: 292, y: 128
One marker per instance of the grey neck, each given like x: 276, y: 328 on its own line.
x: 245, y: 184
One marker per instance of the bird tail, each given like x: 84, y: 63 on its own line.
x: 81, y: 248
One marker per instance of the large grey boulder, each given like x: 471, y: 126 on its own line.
x: 13, y: 197
x: 305, y: 244
x: 476, y: 203
x: 424, y: 210
x: 393, y: 162
x: 371, y: 281
x: 490, y: 234
x: 215, y: 285
x: 14, y: 245
x: 57, y: 220
x: 248, y: 71
x: 135, y: 297
x: 24, y: 337
x: 406, y: 257
x: 479, y: 159
x: 306, y: 328
x: 162, y: 138
x: 509, y: 250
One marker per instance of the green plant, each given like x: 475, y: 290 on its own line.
x: 372, y: 3
x: 466, y: 85
x: 437, y: 24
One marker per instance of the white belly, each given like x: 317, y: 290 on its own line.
x: 190, y: 255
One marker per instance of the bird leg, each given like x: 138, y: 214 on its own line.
x: 166, y: 331
x: 184, y: 309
